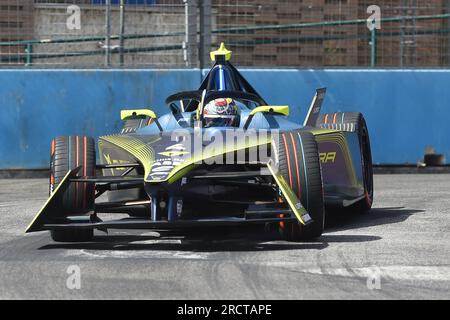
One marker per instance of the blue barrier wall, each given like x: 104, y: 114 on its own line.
x: 39, y: 105
x: 406, y: 110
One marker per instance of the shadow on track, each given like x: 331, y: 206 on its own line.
x: 234, y: 243
x: 226, y: 240
x: 347, y: 220
x: 231, y: 242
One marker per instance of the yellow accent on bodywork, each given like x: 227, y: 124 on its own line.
x: 180, y: 173
x: 337, y: 137
x: 32, y: 227
x: 197, y: 113
x: 138, y: 149
x: 133, y: 113
x: 108, y: 160
x: 197, y: 159
x: 222, y: 51
x: 284, y: 110
x: 145, y: 154
x: 294, y: 203
x: 326, y: 157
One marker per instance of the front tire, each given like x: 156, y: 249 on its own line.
x: 69, y: 153
x: 298, y: 160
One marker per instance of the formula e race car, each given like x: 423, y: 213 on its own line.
x: 221, y: 157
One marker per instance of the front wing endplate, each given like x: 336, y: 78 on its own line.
x: 52, y: 205
x: 294, y: 203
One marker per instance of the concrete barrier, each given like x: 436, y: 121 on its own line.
x: 39, y: 105
x: 406, y: 110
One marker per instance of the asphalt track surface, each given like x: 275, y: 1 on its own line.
x: 401, y: 249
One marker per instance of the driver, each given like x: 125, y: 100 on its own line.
x: 222, y: 112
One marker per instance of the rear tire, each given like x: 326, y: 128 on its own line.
x: 354, y: 122
x: 69, y: 153
x: 298, y: 159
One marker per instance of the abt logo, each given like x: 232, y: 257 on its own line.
x: 326, y: 157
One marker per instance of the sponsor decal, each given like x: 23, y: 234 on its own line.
x: 326, y: 157
x: 173, y: 156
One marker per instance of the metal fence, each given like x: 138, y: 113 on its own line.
x: 177, y: 33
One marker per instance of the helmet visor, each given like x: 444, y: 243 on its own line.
x: 218, y: 121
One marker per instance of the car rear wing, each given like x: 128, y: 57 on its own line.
x: 315, y: 107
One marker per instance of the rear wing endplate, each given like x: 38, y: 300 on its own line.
x: 314, y: 109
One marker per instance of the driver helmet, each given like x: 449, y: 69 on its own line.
x: 221, y: 112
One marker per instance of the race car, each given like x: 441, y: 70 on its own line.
x: 222, y: 156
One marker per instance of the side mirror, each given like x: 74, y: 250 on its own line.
x: 280, y: 110
x: 140, y: 114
